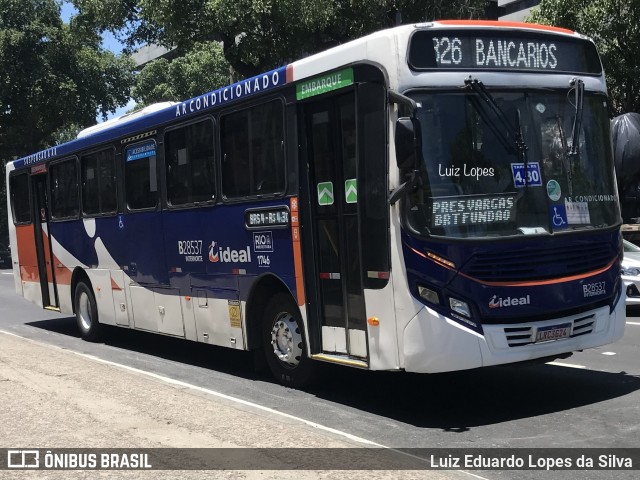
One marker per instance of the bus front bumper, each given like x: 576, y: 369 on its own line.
x: 434, y: 343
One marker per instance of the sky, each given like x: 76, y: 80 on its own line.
x: 109, y: 42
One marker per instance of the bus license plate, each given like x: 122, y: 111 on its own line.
x: 553, y: 332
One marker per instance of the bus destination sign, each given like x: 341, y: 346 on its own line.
x: 473, y: 210
x: 274, y: 217
x: 487, y: 50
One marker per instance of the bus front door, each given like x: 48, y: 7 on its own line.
x: 334, y: 289
x: 43, y: 241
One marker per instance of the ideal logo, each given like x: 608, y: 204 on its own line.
x: 497, y: 302
x: 226, y: 255
x: 213, y: 253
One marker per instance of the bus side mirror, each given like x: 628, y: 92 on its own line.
x: 408, y: 142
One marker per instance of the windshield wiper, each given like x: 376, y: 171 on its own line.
x: 574, y: 151
x: 521, y: 148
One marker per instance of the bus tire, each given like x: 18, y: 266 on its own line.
x: 86, y: 309
x: 283, y: 342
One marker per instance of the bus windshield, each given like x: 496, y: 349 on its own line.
x: 481, y: 176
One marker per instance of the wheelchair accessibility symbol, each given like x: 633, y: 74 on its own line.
x: 558, y: 221
x: 558, y: 214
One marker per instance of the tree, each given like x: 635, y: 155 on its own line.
x: 258, y: 35
x: 201, y: 70
x: 52, y: 75
x: 614, y: 25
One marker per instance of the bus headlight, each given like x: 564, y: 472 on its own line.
x: 429, y: 295
x: 460, y: 307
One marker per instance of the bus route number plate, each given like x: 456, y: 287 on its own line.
x: 553, y: 332
x: 273, y: 217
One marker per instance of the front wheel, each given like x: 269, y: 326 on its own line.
x: 87, y: 312
x: 283, y: 342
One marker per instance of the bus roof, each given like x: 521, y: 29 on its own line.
x: 503, y: 24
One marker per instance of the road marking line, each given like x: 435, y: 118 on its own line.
x: 227, y: 397
x: 608, y: 353
x: 633, y: 323
x: 570, y: 365
x: 473, y: 475
x: 201, y: 389
x: 7, y: 273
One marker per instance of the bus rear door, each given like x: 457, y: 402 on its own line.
x: 42, y: 233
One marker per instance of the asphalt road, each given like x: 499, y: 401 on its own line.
x: 590, y: 400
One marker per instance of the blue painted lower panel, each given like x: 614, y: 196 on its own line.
x: 204, y: 248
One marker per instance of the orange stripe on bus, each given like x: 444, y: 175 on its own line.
x: 63, y: 273
x: 529, y: 283
x: 26, y: 245
x: 424, y: 255
x: 297, y: 252
x: 114, y: 286
x: 47, y: 255
x: 289, y: 76
x: 553, y: 281
x: 494, y: 23
x: 28, y: 258
x: 29, y: 273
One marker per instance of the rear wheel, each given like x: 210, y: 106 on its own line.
x: 283, y: 342
x: 87, y: 312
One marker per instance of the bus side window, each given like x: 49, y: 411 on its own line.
x: 189, y: 162
x: 267, y: 127
x: 65, y: 201
x: 372, y: 171
x: 141, y: 177
x: 98, y: 175
x: 253, y: 151
x: 235, y: 155
x: 20, y: 198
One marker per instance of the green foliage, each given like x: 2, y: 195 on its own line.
x: 105, y: 14
x: 614, y: 25
x: 261, y: 34
x: 201, y: 70
x: 64, y: 134
x: 258, y: 35
x: 52, y: 75
x: 117, y: 16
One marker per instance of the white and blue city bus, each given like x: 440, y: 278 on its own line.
x: 428, y: 198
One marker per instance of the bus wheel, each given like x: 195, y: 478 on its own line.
x: 283, y: 342
x: 87, y: 312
